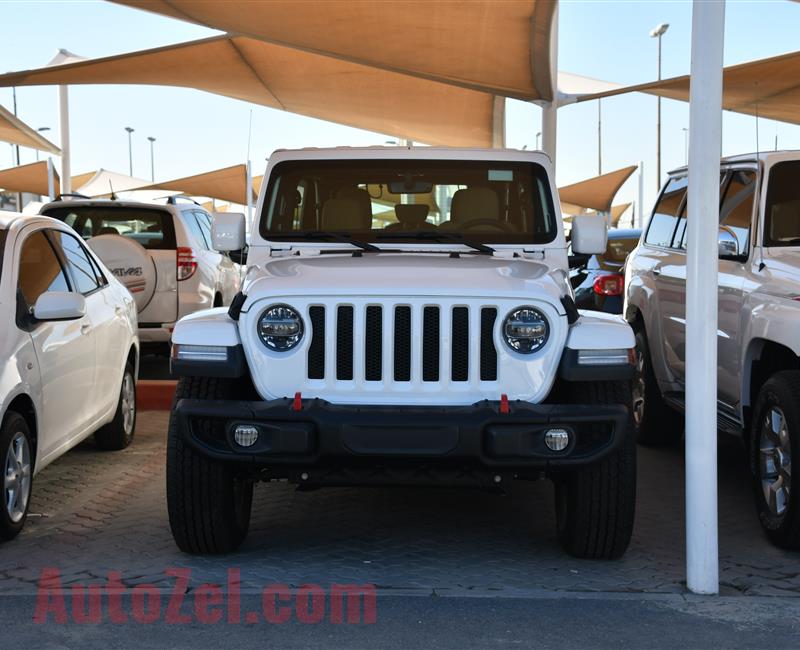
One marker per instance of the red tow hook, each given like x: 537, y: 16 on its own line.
x: 504, y: 407
x: 297, y: 404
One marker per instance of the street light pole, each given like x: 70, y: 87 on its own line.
x: 538, y: 136
x: 685, y: 146
x: 41, y: 129
x: 658, y: 32
x: 152, y: 160
x: 599, y: 138
x: 130, y: 150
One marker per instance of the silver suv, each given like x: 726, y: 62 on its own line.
x: 758, y: 335
x: 161, y: 253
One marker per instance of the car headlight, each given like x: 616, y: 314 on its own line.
x: 526, y: 330
x: 280, y: 328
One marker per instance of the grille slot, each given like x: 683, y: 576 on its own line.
x: 344, y: 343
x: 430, y: 344
x: 402, y: 343
x: 488, y: 351
x: 460, y: 345
x: 316, y: 350
x: 373, y: 344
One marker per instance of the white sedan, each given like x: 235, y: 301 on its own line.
x: 68, y: 355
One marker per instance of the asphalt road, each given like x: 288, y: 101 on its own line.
x: 550, y: 621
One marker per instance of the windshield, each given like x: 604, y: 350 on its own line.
x: 152, y: 228
x: 782, y: 227
x: 409, y: 200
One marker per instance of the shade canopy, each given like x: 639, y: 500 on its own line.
x: 594, y: 193
x: 15, y: 131
x: 30, y: 178
x: 500, y: 48
x: 768, y: 88
x: 228, y: 184
x: 103, y: 182
x: 617, y: 211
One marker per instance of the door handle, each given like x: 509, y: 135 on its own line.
x: 86, y: 328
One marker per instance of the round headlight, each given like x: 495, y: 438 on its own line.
x: 280, y: 328
x: 526, y: 330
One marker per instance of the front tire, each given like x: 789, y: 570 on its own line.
x: 118, y: 433
x: 209, y: 505
x: 596, y: 504
x: 17, y: 458
x: 774, y: 448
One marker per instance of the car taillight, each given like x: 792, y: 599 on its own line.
x: 187, y: 263
x: 609, y: 285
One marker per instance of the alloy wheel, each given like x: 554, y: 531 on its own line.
x: 17, y: 478
x: 128, y: 404
x: 775, y: 461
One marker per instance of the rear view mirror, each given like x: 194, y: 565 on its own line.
x: 228, y: 231
x: 240, y: 256
x: 59, y: 305
x: 727, y: 248
x: 589, y: 235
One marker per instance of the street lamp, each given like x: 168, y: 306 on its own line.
x: 658, y: 32
x: 130, y: 150
x: 538, y: 136
x: 152, y: 160
x: 41, y: 129
x: 685, y: 146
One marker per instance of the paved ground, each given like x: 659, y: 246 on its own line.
x: 94, y: 511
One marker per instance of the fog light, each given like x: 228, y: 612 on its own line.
x: 556, y: 439
x: 245, y: 435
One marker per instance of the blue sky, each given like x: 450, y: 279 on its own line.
x: 197, y: 131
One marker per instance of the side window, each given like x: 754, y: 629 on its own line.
x: 191, y: 223
x: 782, y: 213
x: 736, y: 213
x: 80, y: 267
x: 664, y: 221
x: 204, y: 220
x: 39, y: 269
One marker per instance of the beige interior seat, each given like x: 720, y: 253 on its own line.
x: 410, y: 216
x: 471, y: 204
x: 343, y: 214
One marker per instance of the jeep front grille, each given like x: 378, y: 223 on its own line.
x: 364, y: 339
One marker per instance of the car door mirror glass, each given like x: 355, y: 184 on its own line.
x: 59, y: 305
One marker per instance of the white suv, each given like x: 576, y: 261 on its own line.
x: 162, y: 253
x: 406, y: 318
x: 759, y: 323
x: 69, y: 354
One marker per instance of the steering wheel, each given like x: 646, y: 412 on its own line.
x: 500, y: 225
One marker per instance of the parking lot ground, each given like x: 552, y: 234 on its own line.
x: 96, y: 512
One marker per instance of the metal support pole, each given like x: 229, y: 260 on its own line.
x: 705, y: 145
x: 550, y: 109
x: 249, y: 182
x: 599, y: 137
x: 640, y: 206
x: 658, y: 123
x: 152, y: 160
x: 498, y: 122
x: 63, y: 120
x: 51, y: 180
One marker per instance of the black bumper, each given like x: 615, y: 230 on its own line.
x: 329, y: 436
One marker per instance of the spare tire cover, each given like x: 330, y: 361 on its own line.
x: 130, y: 263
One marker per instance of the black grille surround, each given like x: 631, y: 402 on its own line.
x: 402, y: 343
x: 344, y: 343
x: 373, y: 344
x: 316, y: 350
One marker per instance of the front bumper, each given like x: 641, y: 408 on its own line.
x: 329, y: 437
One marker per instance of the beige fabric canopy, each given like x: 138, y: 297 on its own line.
x: 30, y: 178
x: 768, y: 88
x: 228, y: 184
x: 500, y: 48
x: 617, y: 211
x: 15, y: 131
x: 102, y: 182
x: 594, y: 193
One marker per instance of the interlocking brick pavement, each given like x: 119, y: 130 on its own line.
x: 95, y: 512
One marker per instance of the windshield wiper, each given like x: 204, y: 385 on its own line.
x: 334, y: 236
x: 456, y: 238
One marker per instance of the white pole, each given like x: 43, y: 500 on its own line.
x: 63, y: 115
x: 498, y: 122
x: 51, y: 181
x: 550, y: 109
x: 249, y: 193
x: 640, y: 206
x: 705, y: 147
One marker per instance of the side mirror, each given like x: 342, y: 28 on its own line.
x: 589, y: 235
x: 240, y: 256
x: 59, y: 305
x: 728, y: 248
x: 228, y: 231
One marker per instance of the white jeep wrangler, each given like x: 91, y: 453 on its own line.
x: 406, y: 318
x: 758, y: 338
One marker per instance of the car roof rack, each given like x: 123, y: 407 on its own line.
x: 173, y: 200
x: 71, y: 195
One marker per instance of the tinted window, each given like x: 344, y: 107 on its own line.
x: 192, y: 223
x: 662, y: 225
x: 39, y: 269
x: 782, y: 214
x: 153, y: 229
x: 2, y: 248
x: 205, y: 225
x: 80, y: 267
x: 737, y: 208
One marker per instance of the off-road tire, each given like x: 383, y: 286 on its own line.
x: 659, y: 425
x: 595, y: 504
x: 118, y: 433
x: 12, y: 424
x: 782, y: 390
x: 208, y: 504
